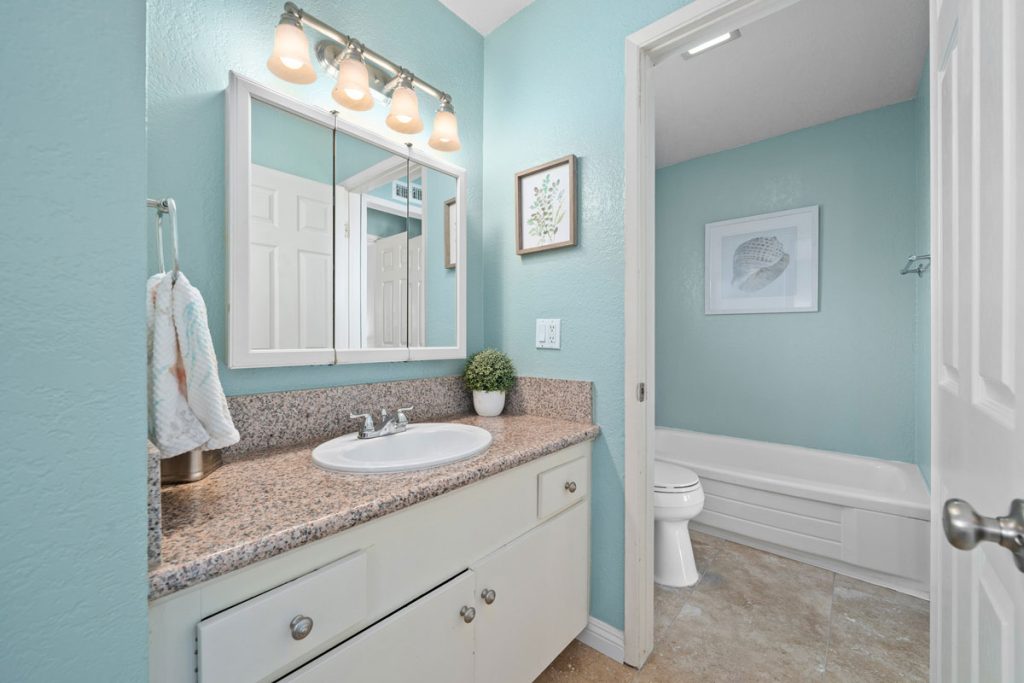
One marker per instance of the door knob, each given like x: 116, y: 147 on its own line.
x: 301, y: 627
x: 965, y: 528
x: 489, y: 595
x: 468, y: 614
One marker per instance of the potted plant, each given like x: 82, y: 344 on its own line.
x: 489, y: 374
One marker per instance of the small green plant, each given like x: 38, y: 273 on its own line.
x: 489, y: 370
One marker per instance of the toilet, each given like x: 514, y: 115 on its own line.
x: 678, y: 498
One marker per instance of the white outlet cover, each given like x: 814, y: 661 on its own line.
x: 549, y: 333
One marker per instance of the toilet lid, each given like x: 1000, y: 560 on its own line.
x: 669, y: 476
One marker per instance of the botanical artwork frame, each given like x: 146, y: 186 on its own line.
x: 766, y: 263
x: 546, y: 206
x: 451, y: 233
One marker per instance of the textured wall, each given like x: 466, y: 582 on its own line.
x: 73, y: 405
x: 192, y: 45
x: 554, y: 84
x: 841, y: 379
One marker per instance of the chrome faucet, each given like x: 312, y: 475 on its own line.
x: 390, y: 423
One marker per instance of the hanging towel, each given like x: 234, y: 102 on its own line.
x: 204, y: 393
x: 173, y: 427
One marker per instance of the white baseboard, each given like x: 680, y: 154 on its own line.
x: 604, y: 638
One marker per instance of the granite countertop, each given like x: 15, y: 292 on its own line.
x: 260, y: 505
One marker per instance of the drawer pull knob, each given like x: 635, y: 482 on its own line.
x: 468, y: 614
x: 489, y: 595
x: 570, y: 486
x: 302, y: 626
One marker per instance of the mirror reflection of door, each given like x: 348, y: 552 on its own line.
x: 372, y: 265
x: 290, y: 237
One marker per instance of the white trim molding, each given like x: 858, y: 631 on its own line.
x: 604, y: 638
x: 670, y: 35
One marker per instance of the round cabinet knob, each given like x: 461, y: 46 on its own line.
x: 468, y: 614
x: 570, y: 486
x: 489, y: 595
x: 301, y: 626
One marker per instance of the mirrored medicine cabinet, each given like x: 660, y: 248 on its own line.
x: 343, y: 246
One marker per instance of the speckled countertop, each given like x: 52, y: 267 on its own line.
x: 260, y: 505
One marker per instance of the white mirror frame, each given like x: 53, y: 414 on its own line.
x: 241, y: 91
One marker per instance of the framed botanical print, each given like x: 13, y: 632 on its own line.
x: 451, y: 234
x: 546, y: 206
x: 762, y: 264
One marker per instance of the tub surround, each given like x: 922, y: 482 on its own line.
x: 259, y: 506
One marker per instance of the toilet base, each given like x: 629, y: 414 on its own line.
x: 674, y: 565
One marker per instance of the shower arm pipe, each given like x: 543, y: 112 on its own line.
x: 307, y: 19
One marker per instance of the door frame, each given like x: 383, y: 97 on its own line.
x: 690, y: 25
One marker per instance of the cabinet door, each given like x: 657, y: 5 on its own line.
x: 541, y: 595
x: 427, y: 641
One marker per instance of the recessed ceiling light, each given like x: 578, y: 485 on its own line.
x: 714, y: 42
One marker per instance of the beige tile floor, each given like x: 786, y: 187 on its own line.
x: 755, y: 616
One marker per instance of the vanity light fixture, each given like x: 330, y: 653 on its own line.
x: 445, y: 136
x: 359, y: 71
x: 353, y: 87
x: 708, y: 44
x: 405, y: 106
x: 290, y: 58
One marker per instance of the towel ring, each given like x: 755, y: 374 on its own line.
x: 166, y: 206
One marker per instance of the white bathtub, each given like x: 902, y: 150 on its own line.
x: 857, y: 516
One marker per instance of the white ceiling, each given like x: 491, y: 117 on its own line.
x: 816, y: 61
x: 485, y: 15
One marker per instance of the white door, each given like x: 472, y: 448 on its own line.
x: 388, y: 274
x: 978, y: 334
x: 290, y: 257
x: 417, y: 292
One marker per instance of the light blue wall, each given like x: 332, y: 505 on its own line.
x: 292, y: 144
x: 922, y: 356
x: 192, y: 45
x: 841, y: 379
x: 553, y: 85
x: 442, y: 306
x: 73, y: 404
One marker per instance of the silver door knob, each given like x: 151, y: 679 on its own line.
x: 468, y: 614
x: 489, y: 595
x: 570, y: 486
x: 965, y: 528
x: 301, y: 626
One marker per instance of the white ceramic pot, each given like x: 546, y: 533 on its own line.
x: 489, y: 403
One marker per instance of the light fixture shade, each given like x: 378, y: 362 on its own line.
x: 405, y: 111
x: 290, y: 59
x: 445, y: 136
x: 353, y: 88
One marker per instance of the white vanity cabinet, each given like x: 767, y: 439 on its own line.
x: 486, y: 583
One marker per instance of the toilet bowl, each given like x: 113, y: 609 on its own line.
x: 678, y: 498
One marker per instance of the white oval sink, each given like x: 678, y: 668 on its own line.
x: 420, y: 446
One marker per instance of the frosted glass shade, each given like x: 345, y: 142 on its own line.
x: 445, y: 136
x: 353, y: 88
x: 405, y: 111
x: 290, y: 59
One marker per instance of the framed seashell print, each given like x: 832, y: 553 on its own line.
x: 762, y: 264
x: 546, y: 206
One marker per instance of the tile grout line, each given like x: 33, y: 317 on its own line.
x: 831, y: 612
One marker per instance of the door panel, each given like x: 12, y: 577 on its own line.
x: 978, y: 595
x: 539, y: 605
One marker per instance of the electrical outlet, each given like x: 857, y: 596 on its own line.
x: 549, y: 333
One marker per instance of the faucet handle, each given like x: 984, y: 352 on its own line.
x: 403, y: 419
x: 367, y: 421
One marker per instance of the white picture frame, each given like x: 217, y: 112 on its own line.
x: 766, y: 263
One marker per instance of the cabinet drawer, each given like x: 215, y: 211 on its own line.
x: 254, y: 640
x: 428, y: 641
x: 561, y: 486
